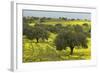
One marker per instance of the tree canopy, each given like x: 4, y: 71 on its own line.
x: 70, y: 39
x: 36, y: 32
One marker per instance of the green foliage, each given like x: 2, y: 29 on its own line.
x: 60, y: 42
x: 56, y: 39
x: 37, y: 32
x: 71, y: 39
x: 40, y: 32
x: 85, y: 24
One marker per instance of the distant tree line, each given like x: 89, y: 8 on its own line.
x: 43, y: 19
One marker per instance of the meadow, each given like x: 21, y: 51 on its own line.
x: 44, y: 49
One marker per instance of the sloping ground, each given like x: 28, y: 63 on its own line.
x: 46, y: 51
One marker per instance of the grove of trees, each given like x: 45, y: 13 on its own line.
x: 69, y: 36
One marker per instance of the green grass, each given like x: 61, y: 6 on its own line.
x: 64, y: 23
x: 46, y: 51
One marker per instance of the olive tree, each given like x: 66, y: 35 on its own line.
x: 36, y: 32
x: 40, y: 32
x: 70, y: 39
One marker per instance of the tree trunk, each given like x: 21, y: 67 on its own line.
x: 37, y: 40
x: 71, y: 48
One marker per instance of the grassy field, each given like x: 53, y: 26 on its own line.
x: 63, y: 22
x: 66, y: 22
x: 46, y: 51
